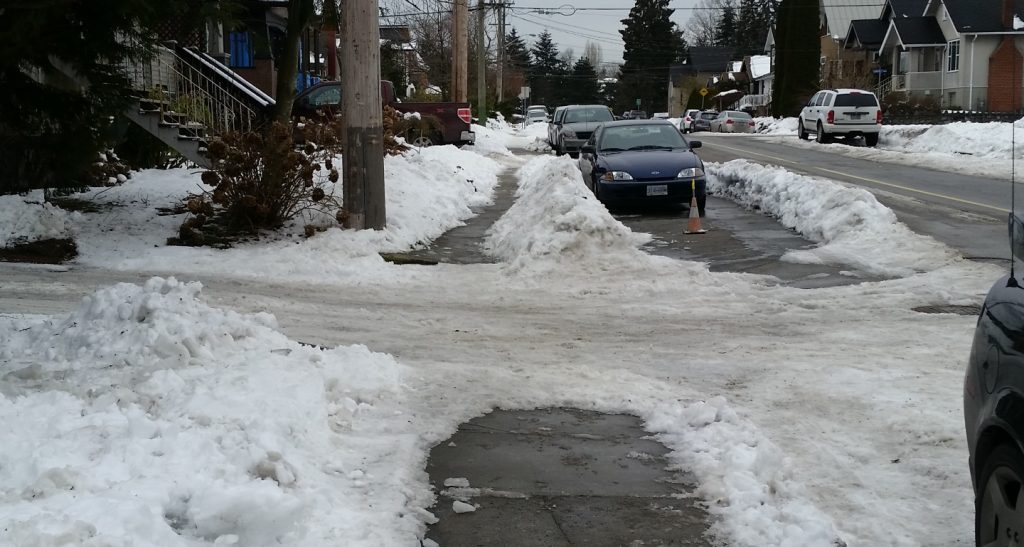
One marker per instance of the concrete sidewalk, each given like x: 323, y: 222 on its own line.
x: 557, y: 477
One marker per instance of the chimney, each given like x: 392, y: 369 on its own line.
x: 1008, y: 14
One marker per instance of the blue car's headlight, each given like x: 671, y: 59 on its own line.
x: 690, y: 173
x: 616, y: 175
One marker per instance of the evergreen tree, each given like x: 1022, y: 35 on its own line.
x: 60, y: 64
x: 797, y: 51
x: 582, y: 85
x: 725, y: 33
x: 547, y: 71
x: 516, y: 55
x: 747, y: 29
x: 652, y: 44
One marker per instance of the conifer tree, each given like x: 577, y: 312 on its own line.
x: 652, y: 44
x: 547, y: 71
x: 797, y: 73
x: 582, y: 88
x: 516, y: 54
x: 60, y: 64
x: 725, y: 33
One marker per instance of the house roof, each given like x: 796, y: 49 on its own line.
x: 972, y: 16
x: 759, y: 65
x: 704, y: 60
x: 905, y: 8
x: 914, y: 32
x: 866, y: 34
x: 839, y: 13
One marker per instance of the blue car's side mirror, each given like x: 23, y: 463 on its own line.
x: 695, y: 144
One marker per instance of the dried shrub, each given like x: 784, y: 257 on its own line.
x: 898, y: 104
x: 261, y: 180
x: 392, y: 128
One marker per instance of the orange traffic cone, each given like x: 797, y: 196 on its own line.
x: 693, y: 225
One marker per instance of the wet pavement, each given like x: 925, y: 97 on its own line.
x: 557, y: 477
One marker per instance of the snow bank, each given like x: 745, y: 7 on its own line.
x: 147, y: 418
x: 429, y: 191
x: 989, y: 140
x: 751, y: 485
x: 24, y: 219
x: 775, y: 126
x: 851, y: 226
x: 557, y: 218
x: 497, y: 138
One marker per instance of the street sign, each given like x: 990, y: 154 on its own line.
x: 703, y: 92
x: 880, y: 71
x: 638, y: 103
x: 524, y: 92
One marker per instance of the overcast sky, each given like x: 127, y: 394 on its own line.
x: 575, y: 29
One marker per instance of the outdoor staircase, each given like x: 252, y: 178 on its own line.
x: 186, y: 97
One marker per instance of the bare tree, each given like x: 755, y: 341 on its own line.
x: 702, y: 27
x: 592, y: 52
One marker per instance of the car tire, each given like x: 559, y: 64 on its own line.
x: 1001, y: 475
x: 821, y: 137
x: 871, y: 139
x: 423, y: 141
x: 559, y: 150
x: 801, y: 132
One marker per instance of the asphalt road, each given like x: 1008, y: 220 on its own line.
x: 965, y: 212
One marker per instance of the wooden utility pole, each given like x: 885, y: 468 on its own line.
x: 363, y: 120
x: 501, y: 51
x: 481, y: 63
x: 460, y: 51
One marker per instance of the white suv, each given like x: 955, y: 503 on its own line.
x: 841, y: 113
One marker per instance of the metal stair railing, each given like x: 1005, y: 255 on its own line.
x: 180, y: 87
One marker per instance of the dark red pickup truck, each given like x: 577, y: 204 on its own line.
x: 453, y: 118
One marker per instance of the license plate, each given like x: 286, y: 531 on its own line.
x: 657, y: 190
x: 857, y: 115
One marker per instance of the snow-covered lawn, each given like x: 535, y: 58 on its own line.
x: 149, y: 416
x: 980, y: 149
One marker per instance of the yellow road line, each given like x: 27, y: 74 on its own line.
x: 865, y: 179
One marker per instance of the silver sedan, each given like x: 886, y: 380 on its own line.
x: 732, y: 121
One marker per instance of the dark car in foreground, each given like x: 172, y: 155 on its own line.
x: 994, y: 409
x: 642, y: 161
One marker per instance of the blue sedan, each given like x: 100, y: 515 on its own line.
x: 641, y: 161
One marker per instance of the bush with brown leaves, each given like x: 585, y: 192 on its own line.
x: 260, y: 180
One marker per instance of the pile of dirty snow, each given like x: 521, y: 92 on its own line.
x: 986, y: 140
x: 148, y: 418
x: 851, y: 226
x: 557, y: 218
x: 24, y: 219
x: 775, y: 126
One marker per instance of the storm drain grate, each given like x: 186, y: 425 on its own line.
x: 959, y: 310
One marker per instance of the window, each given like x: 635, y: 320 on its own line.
x: 954, y: 55
x: 240, y: 48
x: 327, y: 95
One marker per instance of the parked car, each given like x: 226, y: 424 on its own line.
x: 634, y: 115
x: 686, y: 122
x: 732, y: 121
x: 453, y: 118
x: 642, y: 161
x: 993, y: 404
x: 703, y: 120
x: 536, y: 116
x: 660, y: 116
x: 845, y: 113
x: 556, y: 118
x: 577, y: 124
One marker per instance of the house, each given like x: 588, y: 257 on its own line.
x: 704, y: 64
x: 842, y: 67
x: 964, y: 53
x: 866, y: 35
x: 758, y: 75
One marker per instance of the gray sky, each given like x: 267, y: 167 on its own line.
x: 573, y: 31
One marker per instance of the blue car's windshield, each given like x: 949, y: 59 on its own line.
x: 641, y: 137
x: 587, y: 115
